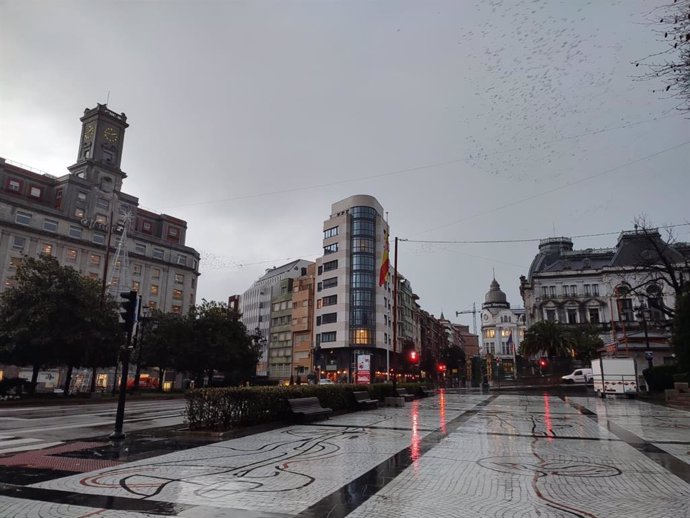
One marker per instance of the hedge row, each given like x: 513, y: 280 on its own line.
x: 662, y: 377
x: 220, y: 409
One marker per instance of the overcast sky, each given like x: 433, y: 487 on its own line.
x: 467, y: 120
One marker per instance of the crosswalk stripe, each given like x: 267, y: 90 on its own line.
x: 28, y: 447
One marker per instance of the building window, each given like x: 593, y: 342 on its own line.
x: 81, y: 196
x: 102, y: 219
x: 489, y: 333
x: 58, y: 198
x: 50, y: 225
x: 551, y: 315
x: 177, y: 294
x: 572, y: 316
x: 10, y: 282
x: 99, y: 239
x: 179, y: 278
x: 181, y: 259
x: 79, y: 213
x: 136, y: 269
x: 75, y: 231
x: 47, y: 249
x: 140, y: 248
x: 71, y: 255
x: 330, y: 265
x: 102, y: 203
x: 329, y: 318
x: 319, y: 270
x: 92, y: 275
x: 588, y: 292
x: 23, y: 218
x: 18, y: 243
x: 330, y: 249
x: 566, y: 290
x: 594, y: 315
x: 154, y: 289
x: 361, y: 336
x: 318, y: 320
x: 15, y: 262
x: 158, y: 253
x: 595, y: 290
x: 95, y: 259
x: 552, y: 291
x: 330, y: 301
x: 152, y: 304
x: 328, y: 337
x: 573, y: 290
x: 35, y: 192
x: 176, y: 309
x: 173, y: 233
x: 146, y: 227
x: 330, y: 283
x: 505, y: 332
x: 136, y: 285
x: 330, y: 232
x: 14, y: 185
x: 155, y: 273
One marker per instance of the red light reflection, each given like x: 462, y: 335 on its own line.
x: 415, y: 446
x: 442, y: 411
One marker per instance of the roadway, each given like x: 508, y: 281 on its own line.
x: 24, y: 428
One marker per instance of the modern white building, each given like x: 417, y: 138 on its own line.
x: 353, y: 314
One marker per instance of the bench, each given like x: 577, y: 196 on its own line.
x: 362, y: 399
x: 403, y: 393
x: 308, y: 408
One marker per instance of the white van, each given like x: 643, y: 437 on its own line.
x: 578, y: 376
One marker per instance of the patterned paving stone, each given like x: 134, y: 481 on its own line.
x: 451, y: 455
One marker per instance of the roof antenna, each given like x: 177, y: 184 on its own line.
x: 107, y: 99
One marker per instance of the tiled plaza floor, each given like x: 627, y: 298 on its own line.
x: 451, y: 455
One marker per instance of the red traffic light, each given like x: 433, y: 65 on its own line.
x: 441, y: 367
x: 542, y: 362
x: 414, y: 357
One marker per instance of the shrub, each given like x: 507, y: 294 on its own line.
x: 660, y: 377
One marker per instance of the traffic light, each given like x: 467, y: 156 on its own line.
x: 542, y: 362
x: 441, y: 367
x: 128, y: 310
x: 413, y: 356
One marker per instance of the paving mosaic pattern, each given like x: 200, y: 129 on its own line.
x: 451, y: 455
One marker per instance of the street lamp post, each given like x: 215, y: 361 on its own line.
x: 643, y: 315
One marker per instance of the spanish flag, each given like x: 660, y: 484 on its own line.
x: 385, y: 262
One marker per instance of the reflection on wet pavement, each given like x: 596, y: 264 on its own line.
x: 455, y: 454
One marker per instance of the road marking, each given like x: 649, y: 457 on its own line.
x: 28, y: 447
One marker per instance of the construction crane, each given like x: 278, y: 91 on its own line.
x: 473, y: 311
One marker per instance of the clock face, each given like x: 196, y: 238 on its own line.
x: 111, y: 135
x: 89, y: 131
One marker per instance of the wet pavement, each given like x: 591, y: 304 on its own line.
x: 460, y: 453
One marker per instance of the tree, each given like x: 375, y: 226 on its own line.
x: 210, y: 338
x: 584, y: 341
x: 658, y: 262
x: 673, y: 64
x: 681, y: 332
x: 546, y: 338
x: 53, y: 316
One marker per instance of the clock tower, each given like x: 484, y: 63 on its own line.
x: 100, y: 147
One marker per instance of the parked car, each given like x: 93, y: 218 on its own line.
x: 325, y: 381
x: 578, y: 376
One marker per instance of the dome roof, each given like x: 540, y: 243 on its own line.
x: 495, y: 295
